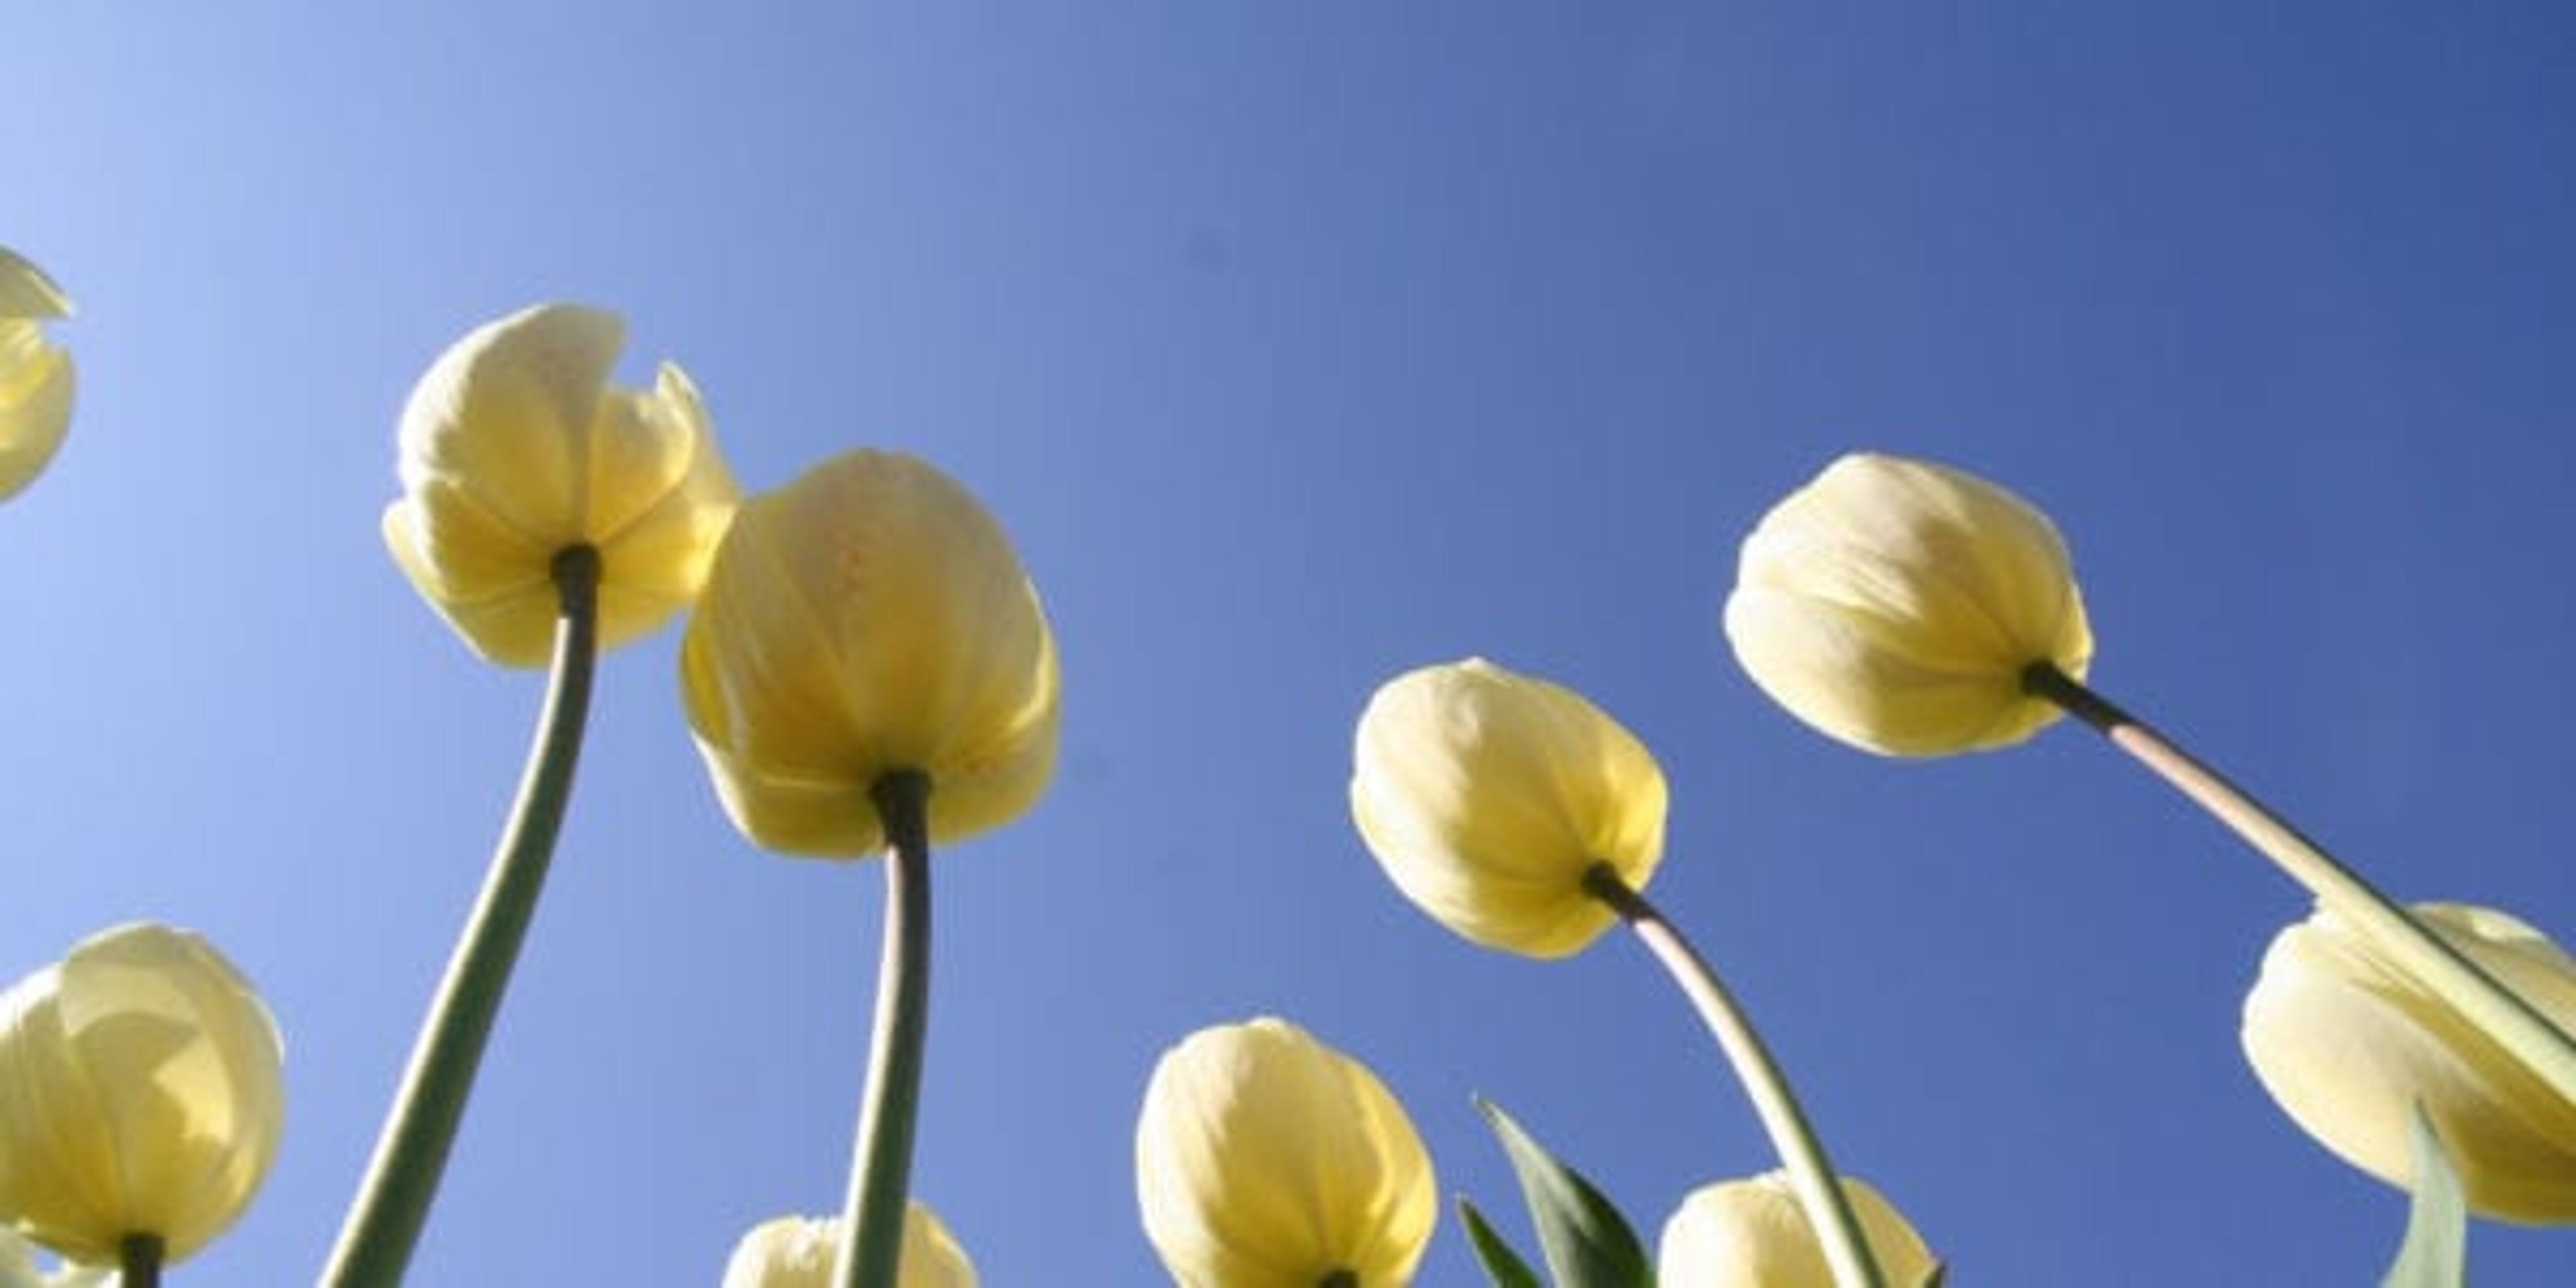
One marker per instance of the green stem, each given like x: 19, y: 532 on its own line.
x: 2431, y: 961
x: 1811, y: 1175
x: 385, y: 1222
x: 1340, y: 1279
x: 138, y: 1261
x: 881, y: 1172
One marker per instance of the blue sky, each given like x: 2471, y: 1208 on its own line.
x: 1298, y: 346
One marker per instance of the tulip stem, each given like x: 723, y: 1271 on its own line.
x: 880, y: 1175
x: 1340, y: 1279
x: 1811, y: 1175
x: 384, y: 1223
x: 2539, y: 1045
x: 138, y: 1261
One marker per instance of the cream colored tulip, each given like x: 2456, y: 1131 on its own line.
x: 1265, y: 1159
x: 2345, y: 1042
x: 1488, y: 795
x: 800, y: 1252
x: 1752, y: 1233
x: 867, y: 619
x: 36, y: 377
x: 1895, y: 605
x: 140, y: 1094
x: 514, y: 449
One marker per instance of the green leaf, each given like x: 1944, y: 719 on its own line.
x: 2436, y: 1251
x: 1502, y: 1265
x: 1588, y: 1244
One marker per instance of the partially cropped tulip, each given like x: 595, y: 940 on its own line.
x: 798, y: 1252
x: 1753, y: 1234
x: 514, y: 449
x: 1488, y: 796
x: 1896, y: 605
x: 2347, y: 1043
x: 140, y: 1094
x: 1265, y: 1159
x: 869, y: 619
x: 35, y: 376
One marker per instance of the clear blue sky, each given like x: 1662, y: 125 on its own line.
x: 1299, y: 345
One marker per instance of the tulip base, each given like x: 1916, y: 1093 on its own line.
x: 138, y: 1261
x: 880, y: 1175
x: 1811, y: 1174
x: 2538, y: 1044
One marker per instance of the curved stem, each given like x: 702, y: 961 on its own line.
x: 881, y: 1172
x: 1811, y: 1174
x: 138, y: 1261
x: 2430, y: 960
x: 1340, y: 1279
x: 377, y: 1237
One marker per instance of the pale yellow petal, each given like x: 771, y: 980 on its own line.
x: 799, y: 1252
x: 1753, y: 1233
x: 36, y: 386
x: 1488, y: 795
x: 1265, y: 1159
x: 25, y: 291
x: 2346, y: 1044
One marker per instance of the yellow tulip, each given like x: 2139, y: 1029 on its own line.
x: 1265, y: 1159
x: 1896, y: 604
x: 140, y: 1094
x: 1753, y: 1234
x: 1488, y: 795
x: 514, y: 448
x: 36, y: 377
x: 800, y: 1252
x: 2346, y: 1043
x: 867, y: 619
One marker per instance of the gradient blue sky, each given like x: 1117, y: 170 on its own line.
x: 1299, y: 345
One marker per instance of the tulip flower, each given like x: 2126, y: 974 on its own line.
x: 799, y: 1252
x: 1488, y: 796
x: 515, y: 449
x: 2347, y: 1043
x: 547, y: 516
x: 868, y: 619
x: 1266, y: 1159
x: 1910, y: 609
x: 141, y: 1098
x: 1520, y: 816
x: 869, y: 668
x: 1896, y: 605
x: 36, y: 377
x: 1752, y: 1233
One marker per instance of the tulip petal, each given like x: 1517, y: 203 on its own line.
x: 36, y: 387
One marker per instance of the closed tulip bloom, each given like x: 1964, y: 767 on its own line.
x: 514, y: 448
x: 1896, y: 604
x: 35, y: 376
x: 140, y: 1094
x: 867, y: 619
x: 1488, y: 795
x: 1752, y: 1234
x: 2346, y: 1044
x: 1265, y: 1159
x: 799, y: 1252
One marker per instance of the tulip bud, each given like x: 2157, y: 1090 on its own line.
x: 514, y: 449
x: 1753, y: 1234
x: 140, y: 1094
x: 35, y: 376
x: 1896, y: 604
x: 2347, y: 1043
x: 867, y: 619
x: 800, y: 1252
x: 1487, y: 796
x: 1265, y: 1159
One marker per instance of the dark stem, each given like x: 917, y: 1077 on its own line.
x: 138, y: 1261
x: 1340, y: 1279
x: 1811, y: 1175
x: 384, y: 1223
x: 2536, y: 1042
x: 881, y: 1173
